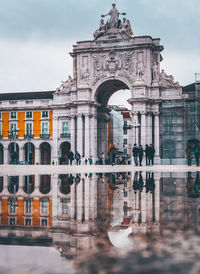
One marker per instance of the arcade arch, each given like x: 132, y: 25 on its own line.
x: 45, y: 153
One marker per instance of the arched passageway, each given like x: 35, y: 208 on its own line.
x: 45, y: 153
x: 105, y: 125
x: 13, y: 150
x: 13, y: 184
x: 64, y: 149
x: 1, y: 154
x: 45, y: 184
x: 29, y: 184
x: 29, y: 149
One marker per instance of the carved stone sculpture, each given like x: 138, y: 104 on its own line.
x: 167, y: 81
x: 114, y: 17
x: 66, y: 85
x: 155, y: 72
x: 140, y: 70
x: 84, y: 73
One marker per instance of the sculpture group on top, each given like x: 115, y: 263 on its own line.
x: 114, y: 24
x: 66, y: 86
x: 167, y: 81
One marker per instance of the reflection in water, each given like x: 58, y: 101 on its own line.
x: 91, y: 212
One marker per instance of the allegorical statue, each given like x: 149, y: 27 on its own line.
x: 114, y: 17
x: 66, y: 85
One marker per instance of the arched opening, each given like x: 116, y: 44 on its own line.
x: 64, y: 149
x: 1, y: 183
x: 64, y: 184
x: 112, y: 96
x: 45, y: 153
x: 29, y: 153
x: 13, y: 150
x: 13, y: 184
x: 29, y: 183
x: 45, y: 184
x: 1, y: 154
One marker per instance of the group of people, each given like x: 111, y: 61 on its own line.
x: 138, y: 154
x: 189, y: 153
x: 70, y: 157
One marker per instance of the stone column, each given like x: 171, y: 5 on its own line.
x: 79, y: 201
x: 157, y: 200
x: 6, y: 156
x: 21, y: 154
x: 93, y: 142
x: 87, y: 135
x: 55, y: 140
x: 87, y: 199
x: 72, y: 133
x: 37, y: 155
x: 80, y: 134
x: 135, y: 131
x: 156, y: 135
x: 149, y: 129
x: 72, y: 201
x: 143, y: 129
x: 93, y: 192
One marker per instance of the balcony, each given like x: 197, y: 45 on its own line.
x: 28, y: 136
x: 44, y: 136
x: 65, y: 135
x: 11, y: 136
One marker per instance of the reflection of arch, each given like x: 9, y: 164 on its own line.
x: 13, y: 154
x: 1, y: 183
x: 29, y: 183
x: 45, y: 152
x: 64, y: 149
x: 29, y: 149
x: 45, y: 184
x: 13, y: 184
x: 107, y: 88
x: 64, y: 184
x: 1, y: 154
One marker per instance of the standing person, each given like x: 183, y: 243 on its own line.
x: 188, y: 152
x: 197, y: 153
x: 77, y: 158
x: 141, y: 154
x: 71, y: 157
x: 135, y: 151
x: 147, y: 155
x: 151, y: 154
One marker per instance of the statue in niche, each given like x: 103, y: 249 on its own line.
x: 114, y: 17
x: 140, y: 70
x: 155, y: 72
x: 84, y: 73
x: 167, y: 80
x: 66, y: 85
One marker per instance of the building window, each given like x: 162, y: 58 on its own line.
x: 125, y: 131
x: 192, y: 124
x: 125, y: 142
x: 45, y: 114
x: 125, y: 151
x: 125, y: 184
x: 13, y: 127
x: 44, y: 206
x: 65, y: 202
x: 12, y: 221
x: 29, y: 129
x: 44, y: 222
x: 29, y: 114
x: 13, y: 115
x: 12, y: 206
x: 65, y: 128
x: 125, y: 123
x: 28, y: 222
x: 28, y: 206
x: 167, y: 125
x: 125, y: 194
x: 45, y: 128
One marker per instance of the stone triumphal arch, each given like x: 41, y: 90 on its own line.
x: 114, y: 60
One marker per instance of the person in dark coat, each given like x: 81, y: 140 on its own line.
x: 71, y: 157
x: 141, y: 154
x: 188, y: 152
x: 151, y: 154
x: 147, y: 155
x: 135, y: 151
x: 77, y: 158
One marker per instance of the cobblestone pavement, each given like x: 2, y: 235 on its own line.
x: 66, y: 169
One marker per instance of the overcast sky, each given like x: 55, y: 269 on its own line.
x: 36, y: 36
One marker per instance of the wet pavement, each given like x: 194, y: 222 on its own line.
x: 124, y: 222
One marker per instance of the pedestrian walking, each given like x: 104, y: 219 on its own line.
x: 197, y: 153
x: 188, y: 152
x: 71, y: 157
x: 77, y: 158
x: 151, y: 154
x: 135, y: 151
x: 141, y: 154
x: 147, y: 155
